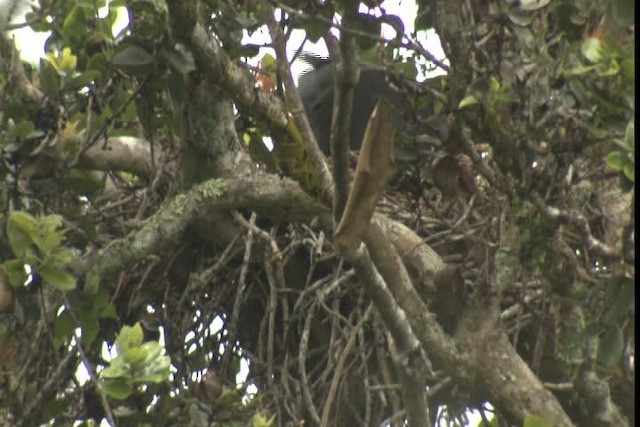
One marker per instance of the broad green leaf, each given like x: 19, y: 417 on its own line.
x: 18, y: 241
x: 156, y: 371
x: 596, y: 132
x: 50, y: 222
x: 50, y: 241
x: 616, y: 160
x: 49, y: 78
x: 109, y: 312
x: 14, y: 269
x: 153, y: 378
x: 132, y: 55
x: 90, y: 329
x: 23, y: 129
x: 31, y: 258
x: 153, y: 349
x: 129, y: 337
x: 61, y: 256
x: 23, y: 221
x: 134, y: 355
x: 228, y: 399
x: 610, y: 346
x: 60, y: 280
x: 116, y: 369
x: 63, y: 327
x: 117, y: 389
x: 75, y: 24
x: 82, y: 80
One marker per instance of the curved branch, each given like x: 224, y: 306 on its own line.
x: 17, y: 77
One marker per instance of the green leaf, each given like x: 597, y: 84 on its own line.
x: 74, y: 24
x: 109, y: 312
x: 596, y: 132
x: 23, y: 129
x: 50, y: 241
x: 116, y: 369
x: 132, y: 55
x: 616, y: 160
x: 629, y: 170
x: 21, y: 231
x: 608, y: 69
x: 153, y: 349
x: 228, y: 400
x: 531, y: 420
x: 134, y: 355
x: 90, y: 329
x: 180, y: 59
x: 18, y: 241
x: 468, y: 101
x: 610, y: 346
x: 61, y: 256
x: 129, y: 337
x: 82, y: 80
x: 50, y: 223
x: 60, y: 280
x: 593, y: 49
x: 117, y: 389
x: 153, y: 377
x: 23, y: 221
x: 63, y: 328
x: 14, y: 268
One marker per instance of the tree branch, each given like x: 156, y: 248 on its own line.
x: 17, y: 76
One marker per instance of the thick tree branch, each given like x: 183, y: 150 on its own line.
x: 281, y: 197
x: 17, y: 77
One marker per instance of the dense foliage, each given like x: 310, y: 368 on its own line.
x: 151, y: 241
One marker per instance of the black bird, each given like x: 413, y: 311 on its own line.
x: 316, y: 91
